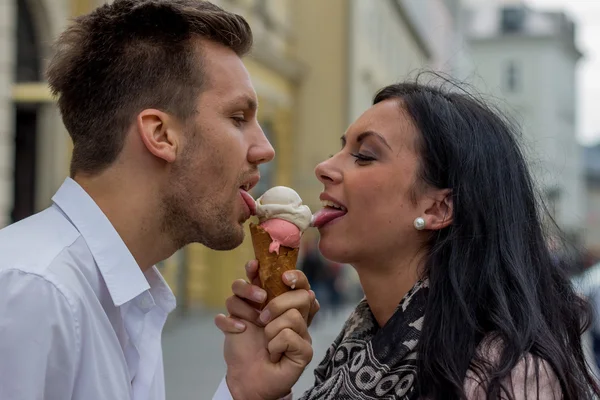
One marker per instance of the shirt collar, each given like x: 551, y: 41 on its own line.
x: 160, y: 290
x: 123, y: 276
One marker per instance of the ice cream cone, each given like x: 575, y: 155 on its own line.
x: 272, y: 265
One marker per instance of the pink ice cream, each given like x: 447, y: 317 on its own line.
x: 281, y: 213
x: 283, y: 233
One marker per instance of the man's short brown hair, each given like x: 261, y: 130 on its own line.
x: 128, y: 56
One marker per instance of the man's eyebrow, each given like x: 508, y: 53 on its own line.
x: 250, y: 102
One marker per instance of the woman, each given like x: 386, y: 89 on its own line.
x: 431, y: 201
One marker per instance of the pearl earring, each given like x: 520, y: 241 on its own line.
x: 419, y: 224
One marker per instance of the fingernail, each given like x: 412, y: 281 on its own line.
x: 292, y: 279
x: 259, y: 296
x: 317, y: 303
x: 238, y: 325
x: 250, y: 266
x: 265, y: 316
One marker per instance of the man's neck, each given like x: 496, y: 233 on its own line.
x: 134, y: 213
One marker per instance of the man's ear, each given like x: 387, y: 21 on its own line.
x: 439, y: 214
x: 160, y: 133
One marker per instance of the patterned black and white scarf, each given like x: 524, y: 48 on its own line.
x: 369, y: 362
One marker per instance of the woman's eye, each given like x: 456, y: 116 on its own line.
x: 362, y: 159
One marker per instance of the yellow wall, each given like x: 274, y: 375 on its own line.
x: 80, y: 7
x: 210, y: 272
x: 322, y: 100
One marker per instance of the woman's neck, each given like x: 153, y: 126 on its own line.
x: 385, y: 285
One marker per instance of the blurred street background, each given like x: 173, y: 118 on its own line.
x: 316, y: 65
x: 193, y: 354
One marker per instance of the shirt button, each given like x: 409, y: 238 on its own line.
x: 146, y: 303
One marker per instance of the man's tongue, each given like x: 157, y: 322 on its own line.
x: 327, y: 215
x: 249, y: 201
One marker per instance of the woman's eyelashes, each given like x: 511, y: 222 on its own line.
x: 362, y: 158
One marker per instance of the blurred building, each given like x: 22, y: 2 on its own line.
x: 592, y: 225
x: 359, y: 47
x: 315, y: 65
x: 527, y: 59
x: 33, y: 142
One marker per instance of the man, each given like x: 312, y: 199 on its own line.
x: 162, y: 115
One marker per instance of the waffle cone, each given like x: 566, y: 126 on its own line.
x: 272, y: 265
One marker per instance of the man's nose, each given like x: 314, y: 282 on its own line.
x: 261, y: 151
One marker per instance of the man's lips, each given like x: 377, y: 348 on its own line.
x: 249, y: 201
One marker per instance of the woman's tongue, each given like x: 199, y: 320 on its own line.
x: 326, y: 215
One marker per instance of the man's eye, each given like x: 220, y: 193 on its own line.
x: 238, y: 120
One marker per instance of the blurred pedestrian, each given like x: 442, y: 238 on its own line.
x: 314, y: 267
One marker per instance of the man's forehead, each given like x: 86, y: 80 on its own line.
x: 240, y: 93
x: 241, y: 99
x: 224, y: 70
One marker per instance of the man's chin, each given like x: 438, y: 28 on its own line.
x: 226, y: 247
x: 226, y: 242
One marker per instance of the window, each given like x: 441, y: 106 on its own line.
x: 28, y: 58
x: 513, y: 19
x: 512, y: 81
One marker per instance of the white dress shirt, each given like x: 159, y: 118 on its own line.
x: 78, y: 318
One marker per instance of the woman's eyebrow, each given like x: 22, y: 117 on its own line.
x: 365, y: 135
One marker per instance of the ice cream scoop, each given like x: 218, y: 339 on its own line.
x: 283, y: 233
x: 281, y: 213
x: 276, y: 239
x: 283, y: 203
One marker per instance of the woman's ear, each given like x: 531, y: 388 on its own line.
x: 439, y: 214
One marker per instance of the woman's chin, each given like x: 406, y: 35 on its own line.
x: 337, y: 252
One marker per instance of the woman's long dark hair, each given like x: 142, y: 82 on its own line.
x: 490, y: 272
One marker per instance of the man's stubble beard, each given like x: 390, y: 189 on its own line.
x: 188, y: 217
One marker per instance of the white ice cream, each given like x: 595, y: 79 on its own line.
x: 283, y: 203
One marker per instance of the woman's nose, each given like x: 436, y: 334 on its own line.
x: 327, y: 172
